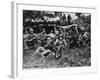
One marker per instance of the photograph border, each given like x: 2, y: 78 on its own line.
x: 16, y: 62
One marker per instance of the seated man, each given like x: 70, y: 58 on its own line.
x: 50, y: 45
x: 51, y: 34
x: 25, y: 39
x: 60, y: 46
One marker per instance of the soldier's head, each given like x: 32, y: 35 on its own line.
x: 31, y: 30
x: 60, y: 37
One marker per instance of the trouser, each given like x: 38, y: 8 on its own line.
x: 59, y: 52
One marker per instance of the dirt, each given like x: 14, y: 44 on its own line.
x: 70, y: 58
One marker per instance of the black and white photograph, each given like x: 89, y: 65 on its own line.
x: 54, y: 39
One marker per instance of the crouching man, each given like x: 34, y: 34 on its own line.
x: 42, y: 51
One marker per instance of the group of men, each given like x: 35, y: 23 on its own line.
x: 57, y: 41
